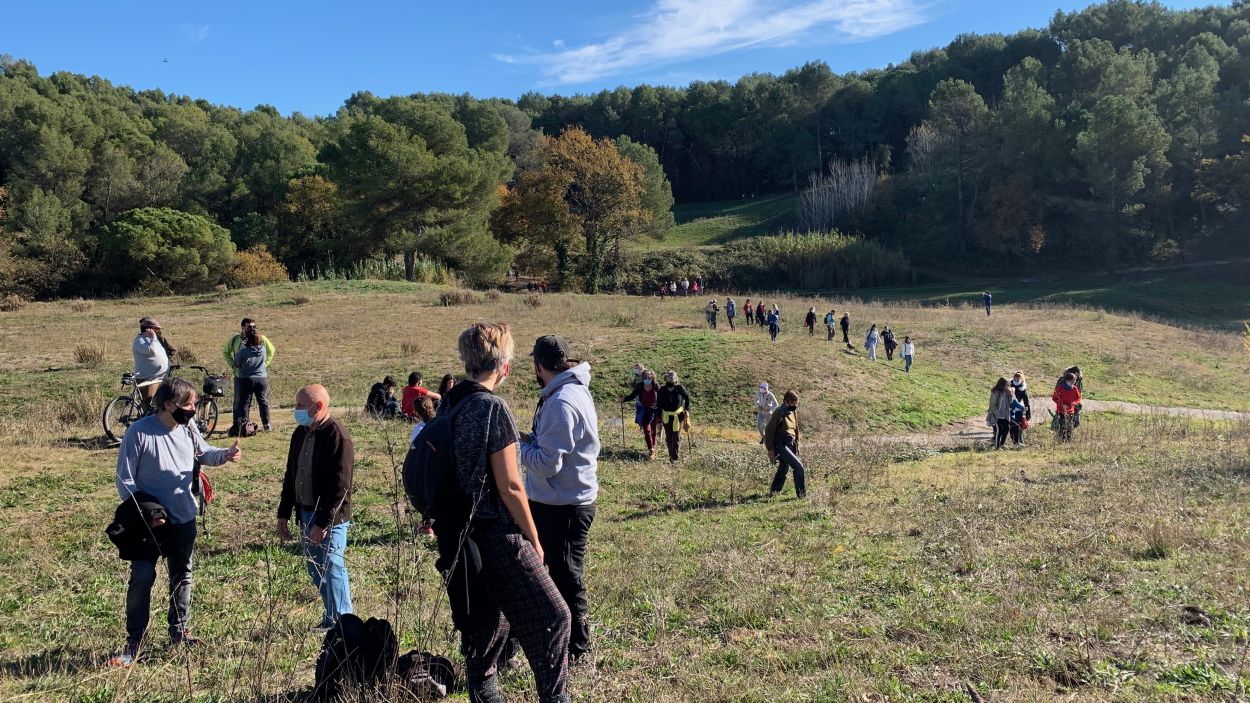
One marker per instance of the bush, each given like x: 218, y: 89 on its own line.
x: 186, y: 252
x: 186, y: 355
x: 493, y: 296
x: 409, y: 349
x: 533, y: 300
x: 459, y: 296
x: 12, y: 302
x: 820, y: 261
x: 300, y: 299
x: 89, y: 354
x: 256, y: 267
x: 81, y: 409
x: 80, y: 305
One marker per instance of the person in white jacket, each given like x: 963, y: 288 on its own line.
x: 909, y: 350
x: 765, y: 404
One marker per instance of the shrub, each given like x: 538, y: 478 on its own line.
x: 459, y: 296
x: 151, y: 288
x: 300, y: 299
x: 409, y: 349
x: 533, y: 300
x: 493, y: 296
x: 186, y: 355
x: 256, y: 267
x: 81, y: 409
x: 12, y: 302
x: 183, y: 251
x: 222, y: 291
x: 80, y: 305
x: 89, y: 354
x: 818, y: 261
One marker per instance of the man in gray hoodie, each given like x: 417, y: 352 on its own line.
x: 560, y: 457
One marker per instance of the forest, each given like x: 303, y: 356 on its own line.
x: 1115, y: 136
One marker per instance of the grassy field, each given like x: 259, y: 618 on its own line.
x: 908, y: 574
x: 710, y: 224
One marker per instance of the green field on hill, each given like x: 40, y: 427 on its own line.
x: 710, y: 224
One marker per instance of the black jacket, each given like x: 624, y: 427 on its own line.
x: 333, y: 459
x: 674, y: 398
x: 131, y: 532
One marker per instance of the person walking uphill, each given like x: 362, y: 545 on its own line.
x: 889, y: 342
x: 731, y: 310
x: 748, y: 312
x: 251, y: 379
x: 846, y: 329
x: 561, y: 456
x: 909, y: 351
x: 998, y: 417
x: 765, y: 404
x: 159, y: 461
x: 489, y: 550
x: 318, y: 481
x: 711, y: 310
x: 810, y: 322
x: 782, y: 439
x: 870, y: 342
x: 646, y: 397
x: 831, y: 321
x: 774, y: 323
x: 988, y: 300
x: 759, y: 314
x: 674, y: 404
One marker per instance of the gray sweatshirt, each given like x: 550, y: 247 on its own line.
x: 156, y: 460
x: 562, y: 455
x: 151, y: 361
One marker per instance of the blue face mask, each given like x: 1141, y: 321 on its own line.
x: 302, y: 418
x: 646, y: 381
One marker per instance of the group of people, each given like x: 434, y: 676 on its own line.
x: 1010, y: 410
x: 526, y: 541
x: 415, y: 403
x: 685, y: 287
x: 657, y: 406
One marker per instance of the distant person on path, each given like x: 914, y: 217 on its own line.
x: 411, y: 392
x: 831, y: 324
x: 698, y: 281
x: 711, y: 309
x: 846, y: 329
x: 765, y: 404
x: 646, y: 397
x: 663, y: 290
x: 674, y: 412
x: 748, y: 312
x: 909, y: 351
x: 318, y: 482
x: 774, y: 323
x: 810, y: 322
x: 998, y: 416
x: 695, y: 288
x: 731, y: 310
x: 561, y: 457
x: 759, y: 314
x: 889, y: 342
x: 685, y: 286
x: 672, y: 288
x: 1021, y: 388
x: 151, y: 359
x: 381, y: 402
x: 251, y: 379
x: 988, y: 300
x: 781, y: 436
x: 871, y: 341
x: 158, y: 461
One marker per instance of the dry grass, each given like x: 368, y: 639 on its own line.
x: 459, y: 296
x: 80, y: 305
x: 409, y: 349
x: 186, y: 355
x: 300, y: 299
x: 11, y: 302
x: 90, y: 354
x: 532, y: 300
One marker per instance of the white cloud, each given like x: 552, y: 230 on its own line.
x: 672, y: 31
x: 195, y: 33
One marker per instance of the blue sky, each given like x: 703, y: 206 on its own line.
x: 311, y: 56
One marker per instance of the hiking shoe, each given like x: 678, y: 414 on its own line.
x: 184, y: 639
x: 125, y: 658
x: 268, y: 428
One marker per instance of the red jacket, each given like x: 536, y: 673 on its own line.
x: 1066, y: 398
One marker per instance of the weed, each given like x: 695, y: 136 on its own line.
x: 80, y: 305
x: 80, y: 409
x: 493, y: 296
x: 300, y: 299
x: 533, y: 300
x: 409, y: 349
x: 11, y: 302
x: 459, y: 296
x: 186, y: 354
x: 89, y: 354
x: 1162, y: 540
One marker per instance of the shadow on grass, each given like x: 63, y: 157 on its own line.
x: 61, y: 660
x: 93, y: 444
x: 687, y: 505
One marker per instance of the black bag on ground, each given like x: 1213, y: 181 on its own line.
x: 379, y: 652
x: 354, y: 655
x: 430, y: 465
x: 244, y: 428
x: 427, y: 676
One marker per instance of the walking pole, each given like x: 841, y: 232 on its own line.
x: 621, y: 408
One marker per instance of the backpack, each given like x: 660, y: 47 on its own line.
x: 354, y: 655
x: 427, y: 676
x: 247, y: 428
x: 430, y: 465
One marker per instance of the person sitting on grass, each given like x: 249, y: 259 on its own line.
x: 414, y: 391
x: 381, y: 403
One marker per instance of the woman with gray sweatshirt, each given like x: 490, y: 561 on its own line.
x: 998, y: 417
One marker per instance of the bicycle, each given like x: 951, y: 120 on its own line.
x: 124, y: 410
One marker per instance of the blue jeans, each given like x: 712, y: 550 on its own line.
x: 907, y: 359
x: 327, y: 567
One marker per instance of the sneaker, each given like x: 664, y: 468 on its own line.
x: 268, y: 428
x: 184, y: 639
x: 125, y: 658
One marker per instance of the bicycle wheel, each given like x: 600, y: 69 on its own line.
x: 206, y: 416
x: 118, y: 415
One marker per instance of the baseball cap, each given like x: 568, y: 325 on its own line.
x: 551, y: 349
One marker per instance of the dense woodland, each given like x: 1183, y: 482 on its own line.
x: 1114, y: 136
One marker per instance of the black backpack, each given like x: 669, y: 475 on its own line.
x: 430, y: 465
x: 354, y: 655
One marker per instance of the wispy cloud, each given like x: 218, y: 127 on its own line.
x: 194, y: 33
x: 672, y: 31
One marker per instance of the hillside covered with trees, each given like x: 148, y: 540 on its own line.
x: 1115, y: 135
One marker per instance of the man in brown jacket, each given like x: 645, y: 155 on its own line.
x: 318, y: 481
x: 781, y: 436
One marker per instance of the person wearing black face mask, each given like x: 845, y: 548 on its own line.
x: 158, y: 457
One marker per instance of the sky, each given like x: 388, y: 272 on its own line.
x: 311, y: 56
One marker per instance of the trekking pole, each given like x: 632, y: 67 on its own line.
x: 621, y: 408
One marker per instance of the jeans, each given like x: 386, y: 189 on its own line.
x: 649, y: 420
x: 731, y: 322
x: 327, y: 567
x: 829, y: 330
x: 787, y: 457
x: 564, y: 531
x: 711, y: 321
x: 761, y: 420
x: 772, y: 331
x: 244, y: 390
x: 907, y: 366
x: 872, y: 352
x: 176, y: 549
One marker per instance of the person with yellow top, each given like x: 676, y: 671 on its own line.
x: 248, y: 377
x: 674, y: 403
x: 781, y: 436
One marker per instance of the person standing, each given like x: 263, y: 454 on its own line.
x: 810, y: 322
x: 998, y: 417
x: 871, y: 341
x: 160, y: 457
x: 561, y: 456
x: 988, y: 300
x: 774, y: 323
x: 1067, y: 399
x: 251, y: 379
x: 695, y: 288
x: 1021, y: 388
x: 888, y: 341
x: 318, y: 482
x: 490, y: 554
x: 672, y: 288
x: 1018, y: 422
x: 781, y: 436
x: 674, y: 404
x: 765, y: 404
x: 748, y: 312
x: 831, y: 321
x: 151, y: 359
x: 731, y: 310
x: 846, y: 329
x: 231, y: 350
x: 759, y: 314
x: 685, y: 286
x: 711, y: 310
x: 646, y: 399
x: 698, y: 281
x: 909, y: 350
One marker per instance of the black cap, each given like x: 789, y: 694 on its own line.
x: 550, y: 350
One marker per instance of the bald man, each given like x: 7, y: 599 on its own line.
x: 318, y: 481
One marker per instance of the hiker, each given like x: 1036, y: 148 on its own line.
x: 909, y: 351
x: 444, y: 387
x: 831, y: 321
x: 412, y: 392
x: 988, y: 300
x: 672, y: 288
x: 765, y: 404
x: 646, y: 399
x: 748, y: 312
x: 731, y: 309
x: 1080, y: 386
x: 888, y: 341
x: 998, y: 416
x: 870, y: 342
x: 698, y: 281
x: 1067, y: 398
x: 318, y: 481
x: 781, y: 436
x: 674, y: 404
x: 381, y: 403
x: 695, y: 288
x: 159, y: 461
x: 1019, y: 422
x: 491, y: 558
x: 774, y: 323
x: 663, y: 290
x: 1020, y: 387
x: 241, y: 387
x: 810, y: 322
x: 151, y: 359
x: 561, y: 456
x: 710, y: 310
x: 685, y: 286
x: 251, y: 380
x: 846, y: 329
x: 759, y: 314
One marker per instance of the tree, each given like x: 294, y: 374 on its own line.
x: 310, y: 220
x: 657, y: 193
x: 957, y: 114
x: 183, y: 251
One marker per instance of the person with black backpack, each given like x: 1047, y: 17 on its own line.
x: 462, y: 472
x: 318, y: 481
